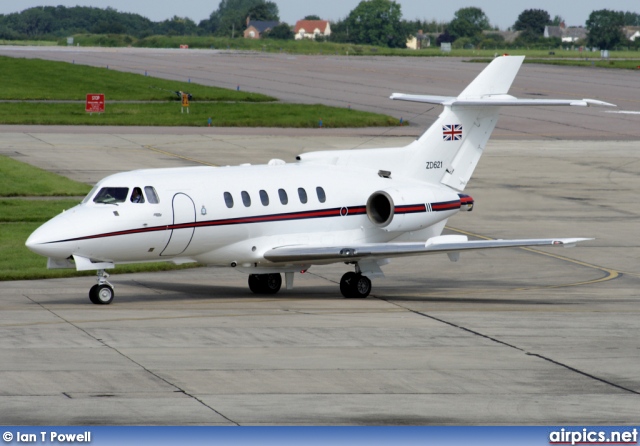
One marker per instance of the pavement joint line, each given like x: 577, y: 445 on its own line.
x: 163, y: 152
x: 157, y: 376
x: 506, y: 344
x: 31, y: 135
x: 588, y: 375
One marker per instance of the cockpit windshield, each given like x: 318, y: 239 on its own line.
x: 111, y: 195
x: 90, y: 194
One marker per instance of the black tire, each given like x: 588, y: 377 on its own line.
x: 355, y: 286
x: 101, y: 294
x: 255, y: 284
x: 265, y: 283
x: 346, y: 284
x: 93, y: 295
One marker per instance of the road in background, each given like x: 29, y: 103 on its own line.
x: 365, y: 83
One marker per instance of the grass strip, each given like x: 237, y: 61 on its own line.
x: 35, y: 79
x: 21, y: 179
x: 169, y: 114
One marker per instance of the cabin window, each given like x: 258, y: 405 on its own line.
x: 302, y: 194
x: 151, y: 194
x: 264, y: 197
x: 283, y: 196
x: 136, y: 195
x: 228, y: 199
x: 321, y: 195
x: 246, y: 199
x: 112, y: 195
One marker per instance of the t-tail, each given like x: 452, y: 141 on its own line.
x: 449, y: 151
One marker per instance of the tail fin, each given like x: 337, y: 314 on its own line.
x: 457, y: 139
x: 449, y: 151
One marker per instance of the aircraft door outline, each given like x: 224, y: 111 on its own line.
x: 184, y: 211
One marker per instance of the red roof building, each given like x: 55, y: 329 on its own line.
x: 310, y: 29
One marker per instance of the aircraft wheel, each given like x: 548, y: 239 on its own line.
x: 255, y: 283
x: 354, y: 285
x: 272, y: 283
x: 101, y: 294
x: 362, y: 286
x: 265, y: 283
x: 346, y: 284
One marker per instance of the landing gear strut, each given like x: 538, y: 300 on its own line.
x: 355, y: 285
x: 265, y: 283
x: 102, y: 293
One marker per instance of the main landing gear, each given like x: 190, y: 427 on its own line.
x: 102, y: 293
x: 352, y: 285
x: 265, y: 283
x: 355, y: 285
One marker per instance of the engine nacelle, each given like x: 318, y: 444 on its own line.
x: 411, y: 209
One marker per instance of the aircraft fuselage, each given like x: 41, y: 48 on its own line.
x: 232, y: 215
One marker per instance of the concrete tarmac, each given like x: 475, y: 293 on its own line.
x: 502, y: 337
x: 515, y: 336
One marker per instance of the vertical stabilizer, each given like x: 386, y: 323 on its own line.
x: 496, y: 79
x: 450, y: 149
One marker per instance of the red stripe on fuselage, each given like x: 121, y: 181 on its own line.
x: 324, y: 213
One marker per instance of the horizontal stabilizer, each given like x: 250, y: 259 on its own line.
x: 441, y: 244
x: 497, y: 101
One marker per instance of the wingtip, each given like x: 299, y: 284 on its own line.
x: 590, y: 102
x: 570, y: 242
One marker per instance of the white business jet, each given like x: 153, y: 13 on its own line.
x: 358, y: 207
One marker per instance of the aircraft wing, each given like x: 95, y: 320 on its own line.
x: 450, y: 244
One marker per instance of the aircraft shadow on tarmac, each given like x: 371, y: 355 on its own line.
x: 475, y: 292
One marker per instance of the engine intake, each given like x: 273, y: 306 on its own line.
x: 380, y: 209
x: 411, y: 209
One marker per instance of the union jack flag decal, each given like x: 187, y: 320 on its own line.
x: 452, y: 132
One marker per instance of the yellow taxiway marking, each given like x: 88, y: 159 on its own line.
x: 610, y: 274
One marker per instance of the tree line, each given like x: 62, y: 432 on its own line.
x: 373, y: 22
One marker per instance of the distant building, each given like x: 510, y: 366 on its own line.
x: 508, y: 36
x: 570, y: 35
x: 419, y: 41
x: 255, y: 28
x: 310, y: 29
x: 631, y: 32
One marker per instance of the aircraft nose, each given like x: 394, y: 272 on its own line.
x: 37, y: 242
x: 43, y: 240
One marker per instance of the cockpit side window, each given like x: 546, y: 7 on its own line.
x: 151, y: 194
x: 111, y: 195
x: 136, y: 195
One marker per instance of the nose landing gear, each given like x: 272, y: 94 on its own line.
x: 102, y: 293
